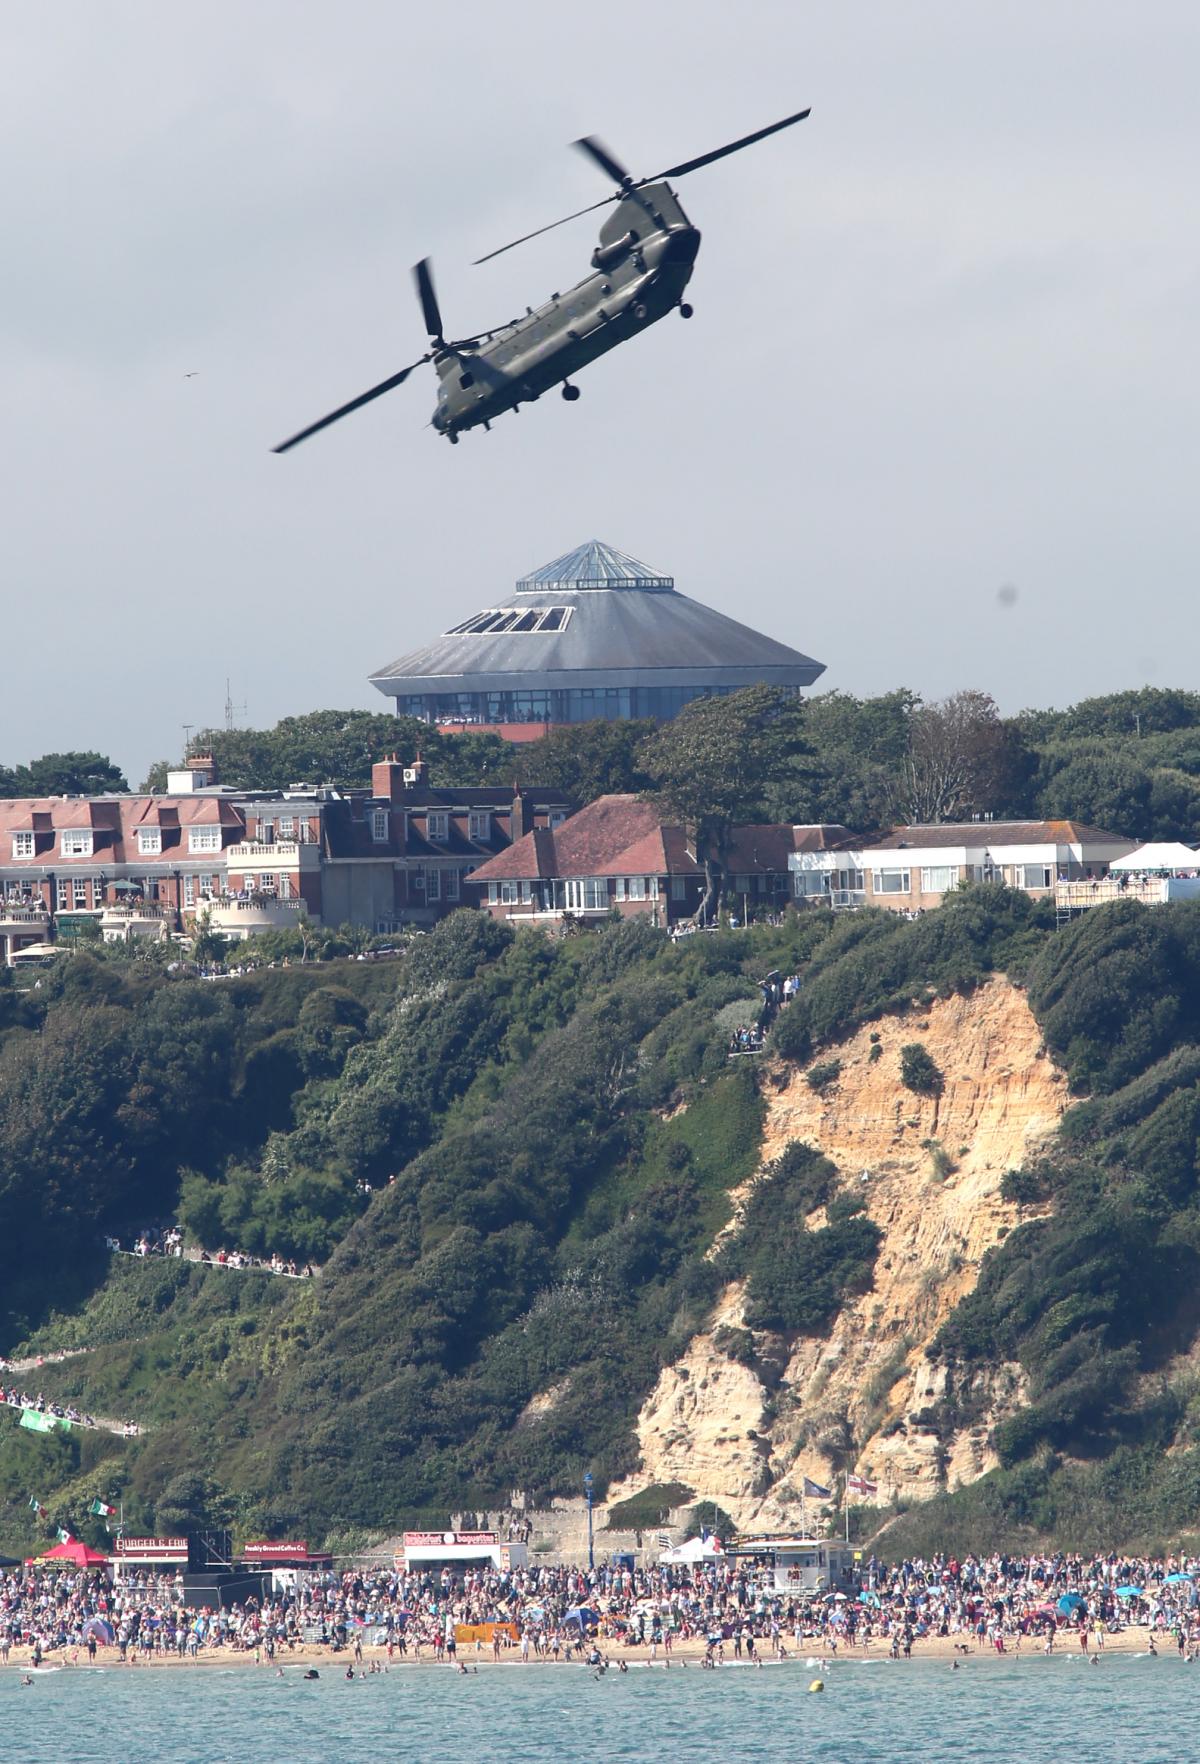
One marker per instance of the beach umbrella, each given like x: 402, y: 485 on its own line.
x: 1070, y: 1602
x: 868, y: 1598
x: 1129, y: 1592
x: 101, y: 1629
x: 1172, y: 1579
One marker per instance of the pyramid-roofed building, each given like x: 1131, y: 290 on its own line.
x: 595, y: 634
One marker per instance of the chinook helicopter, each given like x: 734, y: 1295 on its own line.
x: 640, y: 268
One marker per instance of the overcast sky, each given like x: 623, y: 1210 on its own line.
x: 944, y: 341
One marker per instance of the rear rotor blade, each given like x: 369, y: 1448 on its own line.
x: 689, y: 165
x: 538, y: 231
x: 428, y: 299
x: 596, y: 150
x: 354, y: 404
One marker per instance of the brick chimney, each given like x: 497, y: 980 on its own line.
x: 517, y: 825
x: 390, y: 779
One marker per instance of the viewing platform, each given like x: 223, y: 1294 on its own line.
x: 1076, y: 897
x: 122, y: 921
x: 21, y: 926
x: 241, y: 915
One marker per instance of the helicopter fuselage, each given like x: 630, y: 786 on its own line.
x: 641, y: 267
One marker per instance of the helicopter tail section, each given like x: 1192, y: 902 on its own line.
x: 653, y: 208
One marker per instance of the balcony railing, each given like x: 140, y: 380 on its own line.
x: 22, y: 915
x: 1150, y: 890
x: 263, y: 854
x: 842, y: 899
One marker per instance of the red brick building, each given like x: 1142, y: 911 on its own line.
x: 398, y: 854
x: 617, y: 854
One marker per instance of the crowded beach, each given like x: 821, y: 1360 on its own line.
x: 709, y: 1614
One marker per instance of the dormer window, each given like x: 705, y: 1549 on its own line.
x: 204, y: 839
x: 437, y: 825
x: 22, y: 846
x: 379, y: 825
x: 75, y: 842
x: 149, y: 841
x: 480, y: 823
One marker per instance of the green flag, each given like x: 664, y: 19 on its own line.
x: 101, y: 1509
x: 36, y: 1504
x: 63, y: 1423
x: 37, y: 1423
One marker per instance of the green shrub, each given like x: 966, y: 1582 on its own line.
x: 823, y: 1077
x: 643, y: 1511
x: 918, y: 1071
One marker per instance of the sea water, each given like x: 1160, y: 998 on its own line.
x: 1127, y: 1710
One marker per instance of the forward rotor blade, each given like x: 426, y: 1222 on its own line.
x: 354, y: 404
x: 429, y: 305
x: 690, y: 165
x: 538, y: 231
x: 596, y: 150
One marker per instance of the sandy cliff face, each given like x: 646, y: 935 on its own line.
x: 850, y: 1399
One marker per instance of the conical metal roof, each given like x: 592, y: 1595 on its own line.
x: 594, y: 565
x: 560, y: 629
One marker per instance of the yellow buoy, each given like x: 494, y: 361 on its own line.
x: 818, y: 1684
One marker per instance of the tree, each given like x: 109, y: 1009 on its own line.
x: 961, y: 758
x: 850, y: 773
x: 63, y: 774
x: 340, y: 747
x: 710, y: 767
x: 208, y: 946
x: 1103, y: 782
x: 587, y: 760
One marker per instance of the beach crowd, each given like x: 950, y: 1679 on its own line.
x: 547, y: 1614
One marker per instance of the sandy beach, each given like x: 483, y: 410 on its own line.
x: 687, y: 1653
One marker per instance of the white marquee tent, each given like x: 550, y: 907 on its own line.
x: 695, y: 1550
x: 1169, y: 856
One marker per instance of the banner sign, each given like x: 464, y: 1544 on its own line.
x: 430, y: 1539
x: 275, y: 1552
x: 36, y: 1422
x: 152, y: 1549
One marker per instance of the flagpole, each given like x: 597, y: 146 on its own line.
x: 846, y: 1507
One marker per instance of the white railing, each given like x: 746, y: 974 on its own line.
x: 1150, y: 890
x: 20, y: 915
x: 263, y: 854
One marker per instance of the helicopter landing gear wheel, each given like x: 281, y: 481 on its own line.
x: 452, y: 438
x: 685, y: 309
x: 570, y: 393
x: 638, y: 311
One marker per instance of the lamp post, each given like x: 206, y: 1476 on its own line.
x: 587, y: 1489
